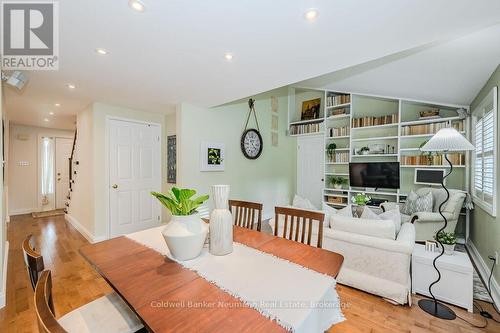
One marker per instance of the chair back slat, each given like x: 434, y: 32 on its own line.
x: 44, y: 306
x: 244, y: 213
x: 301, y: 224
x: 32, y: 259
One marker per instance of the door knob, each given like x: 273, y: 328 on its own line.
x: 115, y: 186
x: 58, y: 179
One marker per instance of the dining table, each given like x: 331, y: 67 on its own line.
x: 170, y: 298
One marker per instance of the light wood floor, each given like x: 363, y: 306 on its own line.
x: 76, y: 283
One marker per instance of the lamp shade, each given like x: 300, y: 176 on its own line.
x: 448, y: 139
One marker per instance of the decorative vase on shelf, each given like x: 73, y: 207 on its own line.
x: 221, y: 222
x: 337, y: 186
x: 185, y: 236
x: 449, y: 249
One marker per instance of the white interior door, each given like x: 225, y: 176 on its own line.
x: 63, y: 153
x: 134, y: 171
x: 310, y: 168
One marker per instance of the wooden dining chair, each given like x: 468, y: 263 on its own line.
x: 245, y: 213
x: 32, y: 259
x: 296, y: 221
x: 107, y: 314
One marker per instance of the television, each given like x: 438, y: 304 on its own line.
x: 374, y: 175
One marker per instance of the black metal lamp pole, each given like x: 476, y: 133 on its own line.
x: 432, y: 306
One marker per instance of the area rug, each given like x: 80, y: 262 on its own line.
x: 48, y: 213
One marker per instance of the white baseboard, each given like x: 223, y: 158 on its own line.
x: 82, y: 230
x: 484, y: 272
x: 22, y: 211
x: 3, y: 292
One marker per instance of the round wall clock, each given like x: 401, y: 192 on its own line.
x: 251, y: 143
x: 251, y: 140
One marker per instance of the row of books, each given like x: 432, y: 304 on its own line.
x: 456, y: 159
x: 430, y: 128
x: 340, y: 157
x: 305, y: 128
x: 374, y: 121
x: 338, y: 112
x: 333, y: 100
x: 339, y: 131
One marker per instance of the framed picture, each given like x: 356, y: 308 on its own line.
x: 171, y: 159
x: 212, y: 156
x: 310, y: 109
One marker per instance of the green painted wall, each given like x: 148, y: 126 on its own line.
x: 270, y: 179
x: 485, y: 229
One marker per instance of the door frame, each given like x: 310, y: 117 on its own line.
x: 107, y: 162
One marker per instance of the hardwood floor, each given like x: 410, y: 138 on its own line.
x: 76, y: 283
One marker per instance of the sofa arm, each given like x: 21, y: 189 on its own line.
x: 432, y: 217
x: 387, y: 206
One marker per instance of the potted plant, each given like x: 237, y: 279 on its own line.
x: 338, y: 181
x: 360, y: 200
x: 330, y: 150
x: 186, y: 233
x: 364, y: 151
x: 448, y: 239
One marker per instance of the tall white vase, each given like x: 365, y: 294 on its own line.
x: 221, y: 222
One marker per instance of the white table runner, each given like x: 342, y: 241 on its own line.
x: 297, y: 298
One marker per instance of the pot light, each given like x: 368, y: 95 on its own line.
x: 311, y: 14
x: 57, y: 105
x: 101, y: 51
x: 137, y: 5
x: 71, y: 86
x: 51, y: 113
x: 228, y: 56
x: 46, y: 120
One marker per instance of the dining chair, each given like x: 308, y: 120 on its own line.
x: 300, y: 220
x: 107, y: 314
x: 32, y: 259
x: 245, y: 213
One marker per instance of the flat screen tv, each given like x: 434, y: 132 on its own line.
x: 374, y: 175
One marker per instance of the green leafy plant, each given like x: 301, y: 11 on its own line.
x: 363, y: 149
x: 330, y: 149
x: 338, y: 180
x: 361, y: 199
x: 447, y: 238
x: 179, y: 202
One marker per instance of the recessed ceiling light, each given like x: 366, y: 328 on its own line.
x: 228, y: 56
x: 137, y: 5
x: 46, y: 119
x: 101, y: 51
x: 57, y: 105
x: 71, y: 86
x: 311, y: 14
x: 51, y: 113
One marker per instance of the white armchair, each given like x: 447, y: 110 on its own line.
x: 428, y: 223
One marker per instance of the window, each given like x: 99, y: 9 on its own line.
x: 484, y: 165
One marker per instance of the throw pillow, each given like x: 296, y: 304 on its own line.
x: 302, y: 203
x: 393, y: 215
x: 346, y: 212
x: 367, y: 227
x: 415, y: 204
x: 369, y: 214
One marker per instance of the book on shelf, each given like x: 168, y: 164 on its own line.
x: 375, y: 121
x: 338, y: 157
x: 333, y: 100
x: 339, y: 131
x: 434, y: 160
x: 432, y: 128
x: 305, y: 128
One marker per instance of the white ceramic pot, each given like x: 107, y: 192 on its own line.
x: 221, y: 222
x: 185, y: 236
x: 449, y: 249
x: 337, y: 186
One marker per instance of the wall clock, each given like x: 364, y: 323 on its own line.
x: 251, y: 140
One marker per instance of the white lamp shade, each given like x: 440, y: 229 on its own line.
x: 448, y: 139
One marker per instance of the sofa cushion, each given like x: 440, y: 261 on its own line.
x: 330, y: 211
x: 393, y: 215
x: 369, y: 227
x: 415, y: 203
x: 302, y: 203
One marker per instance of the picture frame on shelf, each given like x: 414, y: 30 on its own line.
x: 310, y: 109
x: 212, y: 156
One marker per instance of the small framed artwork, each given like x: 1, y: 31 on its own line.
x: 310, y: 109
x: 171, y: 159
x: 212, y: 156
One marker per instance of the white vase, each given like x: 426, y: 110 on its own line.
x: 337, y: 186
x: 449, y: 249
x: 185, y: 236
x: 221, y: 222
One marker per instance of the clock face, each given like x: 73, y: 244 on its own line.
x: 251, y: 144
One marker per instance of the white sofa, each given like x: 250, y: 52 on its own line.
x: 379, y: 266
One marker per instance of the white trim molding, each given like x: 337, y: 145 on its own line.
x: 82, y: 230
x: 3, y: 291
x: 484, y: 271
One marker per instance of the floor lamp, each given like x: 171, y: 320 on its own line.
x: 444, y: 141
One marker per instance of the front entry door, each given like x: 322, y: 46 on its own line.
x: 63, y: 153
x: 134, y: 171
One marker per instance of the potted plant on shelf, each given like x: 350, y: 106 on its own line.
x: 448, y: 239
x: 338, y: 181
x: 186, y: 233
x: 364, y: 151
x: 330, y: 150
x: 427, y: 154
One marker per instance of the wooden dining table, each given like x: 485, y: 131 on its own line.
x: 170, y: 298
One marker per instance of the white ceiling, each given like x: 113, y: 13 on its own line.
x: 173, y: 52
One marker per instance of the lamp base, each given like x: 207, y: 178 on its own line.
x: 437, y: 309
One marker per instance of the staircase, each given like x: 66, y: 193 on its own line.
x: 73, y: 168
